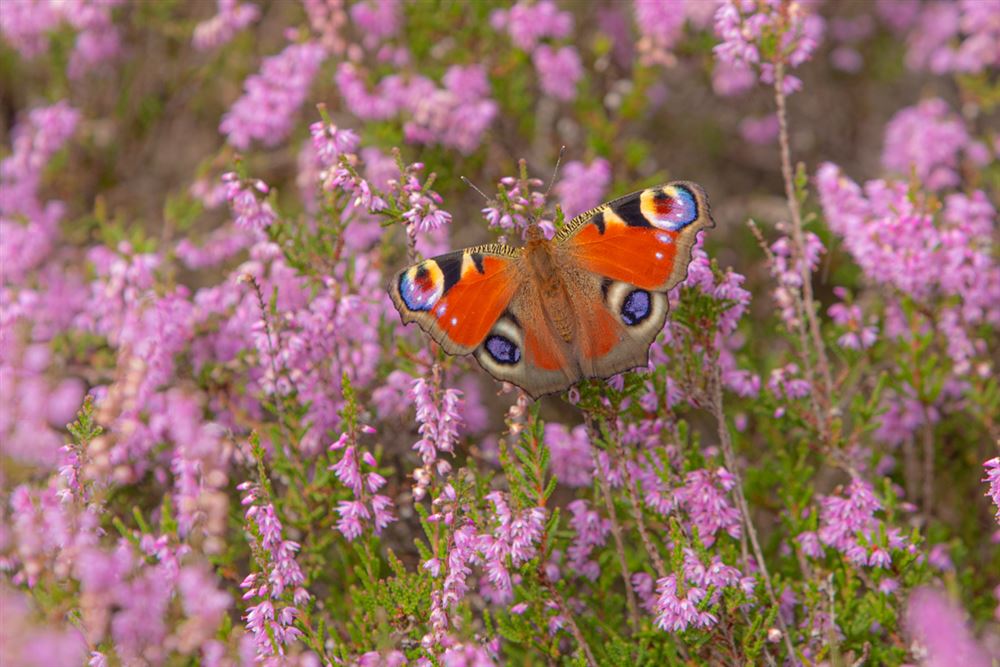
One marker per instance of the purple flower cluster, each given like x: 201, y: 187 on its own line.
x: 762, y: 33
x: 683, y: 601
x: 277, y: 587
x: 266, y: 111
x: 572, y: 458
x: 590, y: 531
x: 510, y: 541
x: 993, y: 477
x: 938, y: 626
x: 518, y: 205
x: 437, y: 413
x: 857, y: 335
x: 28, y: 226
x: 926, y: 140
x: 232, y: 17
x: 559, y: 69
x: 583, y: 187
x: 28, y: 24
x: 900, y: 243
x: 528, y: 23
x: 247, y: 199
x: 848, y: 524
x: 661, y: 26
x: 368, y: 504
x: 455, y: 116
x: 962, y: 36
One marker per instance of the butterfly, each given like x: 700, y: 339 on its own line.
x: 586, y: 304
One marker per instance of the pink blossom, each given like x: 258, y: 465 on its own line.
x: 940, y: 629
x: 558, y: 71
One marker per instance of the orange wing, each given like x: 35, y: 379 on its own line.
x: 457, y: 297
x: 644, y: 238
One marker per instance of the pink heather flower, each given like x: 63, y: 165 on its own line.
x: 455, y: 116
x: 514, y: 541
x: 514, y: 210
x: 848, y: 315
x: 993, y: 477
x: 785, y: 386
x: 529, y: 22
x: 248, y: 201
x: 29, y: 227
x: 222, y: 244
x: 29, y: 642
x: 437, y: 414
x: 330, y: 142
x: 271, y: 97
x: 704, y: 497
x: 591, y: 531
x: 729, y: 80
x: 558, y: 71
x: 422, y: 213
x: 278, y: 585
x: 232, y: 16
x: 27, y: 25
x: 572, y: 460
x: 377, y: 19
x: 702, y: 588
x: 385, y: 659
x: 789, y: 30
x: 900, y: 244
x: 467, y: 655
x: 962, y: 36
x: 583, y: 187
x: 661, y: 25
x: 761, y: 131
x: 927, y: 140
x: 939, y: 628
x: 364, y: 486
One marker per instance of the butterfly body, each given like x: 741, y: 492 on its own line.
x: 587, y: 303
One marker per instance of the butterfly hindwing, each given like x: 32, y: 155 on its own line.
x: 457, y: 297
x: 522, y: 349
x: 644, y: 238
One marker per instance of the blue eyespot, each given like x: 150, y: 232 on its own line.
x: 502, y: 349
x: 636, y: 308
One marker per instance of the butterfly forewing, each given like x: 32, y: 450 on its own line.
x: 457, y: 297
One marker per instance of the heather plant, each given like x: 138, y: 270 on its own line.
x: 220, y: 445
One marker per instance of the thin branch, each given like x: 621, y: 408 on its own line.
x: 741, y: 501
x: 798, y: 236
x: 574, y: 629
x: 632, y: 491
x: 616, y: 531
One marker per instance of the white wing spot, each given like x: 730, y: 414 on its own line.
x: 441, y: 310
x: 454, y: 321
x: 659, y: 255
x: 664, y: 238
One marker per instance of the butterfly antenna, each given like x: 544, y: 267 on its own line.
x: 473, y: 186
x: 555, y: 172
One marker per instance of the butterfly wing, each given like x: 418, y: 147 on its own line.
x: 622, y: 258
x: 644, y: 238
x: 458, y: 297
x: 522, y: 348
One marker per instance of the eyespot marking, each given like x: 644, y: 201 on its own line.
x: 421, y: 286
x: 502, y: 350
x: 671, y: 208
x: 636, y: 307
